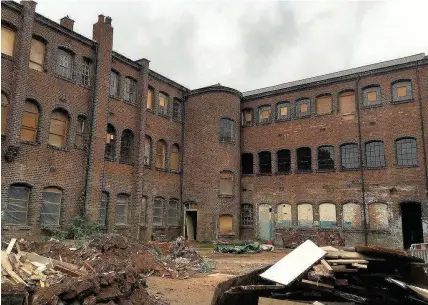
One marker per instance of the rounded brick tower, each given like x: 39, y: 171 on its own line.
x: 211, y: 164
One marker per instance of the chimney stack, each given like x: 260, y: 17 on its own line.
x: 67, y: 22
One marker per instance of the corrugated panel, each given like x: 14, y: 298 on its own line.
x: 421, y: 254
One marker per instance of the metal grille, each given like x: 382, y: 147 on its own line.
x: 158, y: 212
x: 121, y: 209
x: 86, y: 72
x: 172, y: 212
x: 375, y: 154
x: 407, y: 152
x: 247, y: 218
x: 17, y: 206
x: 350, y: 156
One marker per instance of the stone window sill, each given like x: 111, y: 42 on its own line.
x: 375, y: 105
x: 326, y: 170
x: 407, y: 166
x: 349, y: 169
x: 309, y: 171
x: 114, y: 97
x: 246, y: 125
x: 264, y: 123
x: 247, y: 226
x: 303, y: 116
x: 150, y: 110
x: 16, y: 227
x: 130, y: 103
x: 65, y: 148
x: 247, y: 175
x: 283, y: 173
x: 70, y: 80
x: 404, y: 101
x: 110, y: 159
x: 225, y: 196
x: 165, y: 116
x: 175, y: 172
x: 375, y: 168
x: 130, y: 163
x: 323, y: 114
x: 177, y: 121
x: 264, y: 174
x: 121, y: 226
x: 226, y: 142
x: 37, y: 143
x: 49, y: 227
x: 283, y: 119
x: 161, y: 169
x: 8, y: 57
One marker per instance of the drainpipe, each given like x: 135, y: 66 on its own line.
x: 360, y: 144
x: 183, y: 116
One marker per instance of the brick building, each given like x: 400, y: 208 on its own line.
x: 336, y: 158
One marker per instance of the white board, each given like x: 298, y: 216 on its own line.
x: 295, y: 263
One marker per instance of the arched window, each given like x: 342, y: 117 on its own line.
x: 7, y: 41
x: 265, y: 162
x: 127, y: 146
x: 406, y: 151
x: 150, y: 98
x: 305, y: 215
x: 104, y: 209
x: 51, y: 206
x: 64, y: 66
x: 283, y: 215
x: 375, y: 154
x: 352, y: 215
x: 372, y: 95
x: 247, y: 163
x: 304, y: 159
x: 175, y: 158
x: 283, y: 111
x: 378, y: 216
x: 158, y: 211
x: 401, y: 91
x: 58, y: 128
x: 121, y: 212
x: 225, y: 224
x: 327, y: 215
x: 4, y: 108
x: 324, y: 104
x: 247, y: 217
x: 130, y: 90
x: 30, y: 121
x: 347, y: 103
x: 226, y: 183
x: 163, y: 103
x: 247, y: 117
x: 177, y: 113
x: 160, y: 154
x: 37, y: 55
x: 17, y: 206
x: 350, y: 156
x: 227, y: 130
x: 110, y: 148
x: 80, y: 139
x: 147, y: 150
x: 114, y: 83
x: 284, y: 160
x: 265, y: 114
x: 326, y: 157
x: 173, y: 213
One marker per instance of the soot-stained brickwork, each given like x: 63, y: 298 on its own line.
x: 339, y: 158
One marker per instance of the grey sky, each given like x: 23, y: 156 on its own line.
x: 253, y: 44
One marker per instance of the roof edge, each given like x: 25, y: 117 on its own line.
x: 216, y: 88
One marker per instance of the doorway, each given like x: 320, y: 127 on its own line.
x: 265, y: 222
x: 191, y: 225
x: 411, y: 216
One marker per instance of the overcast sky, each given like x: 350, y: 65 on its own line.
x: 253, y: 44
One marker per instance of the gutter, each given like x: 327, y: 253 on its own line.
x: 422, y: 130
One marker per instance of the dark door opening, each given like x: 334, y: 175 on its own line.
x: 411, y: 216
x: 191, y: 225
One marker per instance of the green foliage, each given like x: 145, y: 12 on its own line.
x: 54, y: 233
x: 82, y: 229
x: 206, y: 266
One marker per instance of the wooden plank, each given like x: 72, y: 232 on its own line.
x: 361, y: 266
x: 383, y: 252
x: 318, y: 284
x: 5, y: 263
x: 10, y: 246
x: 329, y: 248
x: 254, y: 288
x: 326, y: 265
x: 420, y: 291
x: 347, y: 261
x: 344, y: 255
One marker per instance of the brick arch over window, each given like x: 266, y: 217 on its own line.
x: 127, y: 146
x: 16, y: 211
x: 161, y: 154
x: 59, y: 125
x: 406, y: 151
x: 30, y: 121
x: 110, y: 146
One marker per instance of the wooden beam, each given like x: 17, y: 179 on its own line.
x: 326, y: 265
x: 10, y: 246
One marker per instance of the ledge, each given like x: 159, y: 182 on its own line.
x: 283, y: 120
x: 284, y: 173
x: 303, y: 116
x: 130, y: 163
x: 246, y: 125
x: 161, y: 169
x: 65, y: 148
x: 350, y: 169
x: 110, y: 159
x: 175, y: 172
x: 16, y: 227
x: 309, y: 171
x: 165, y: 116
x: 407, y: 166
x: 371, y: 106
x: 121, y: 226
x: 264, y: 174
x: 227, y: 142
x: 247, y: 175
x: 325, y: 170
x: 405, y: 101
x: 225, y: 196
x: 70, y: 80
x: 7, y: 57
x: 117, y: 98
x: 36, y: 143
x: 375, y: 168
x: 264, y: 123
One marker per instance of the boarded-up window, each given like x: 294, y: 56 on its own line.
x: 30, y: 122
x: 303, y: 107
x: 226, y: 224
x: 283, y: 111
x: 305, y: 215
x: 378, y: 216
x: 264, y: 114
x: 247, y: 117
x: 327, y: 215
x: 247, y: 163
x: 173, y: 212
x: 17, y: 205
x: 175, y: 158
x: 51, y: 207
x: 150, y: 95
x: 352, y: 215
x: 372, y: 96
x: 7, y: 41
x: 121, y: 213
x: 64, y: 64
x: 129, y: 90
x: 247, y: 218
x: 147, y: 150
x: 4, y: 108
x: 114, y: 83
x: 347, y: 103
x: 227, y: 130
x: 37, y: 55
x: 143, y: 211
x: 80, y: 139
x: 324, y: 105
x: 283, y: 215
x: 160, y: 154
x: 226, y: 183
x: 158, y: 211
x: 163, y: 103
x: 58, y: 128
x: 177, y: 111
x: 103, y: 209
x: 402, y: 91
x: 86, y: 72
x: 127, y: 146
x: 265, y: 162
x: 110, y: 149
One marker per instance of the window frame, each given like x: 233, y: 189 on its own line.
x: 368, y: 89
x: 407, y: 83
x: 147, y: 159
x: 32, y: 64
x: 163, y: 110
x: 86, y: 72
x: 355, y: 147
x: 226, y: 176
x: 347, y: 226
x: 161, y: 202
x: 177, y: 152
x: 150, y: 93
x: 177, y: 111
x: 242, y: 164
x: 13, y: 47
x: 331, y: 224
x: 65, y: 63
x: 175, y: 218
x: 299, y: 163
x: 104, y: 204
x: 278, y: 108
x: 283, y: 164
x: 245, y: 123
x: 262, y: 108
x: 55, y: 190
x: 127, y: 148
x: 307, y: 225
x: 24, y: 208
x: 34, y: 115
x: 114, y: 84
x: 130, y: 90
x: 125, y: 204
x: 299, y: 103
x: 4, y: 112
x: 324, y: 167
x: 321, y: 97
x: 374, y: 162
x: 112, y: 146
x: 265, y: 164
x: 415, y: 163
x: 369, y: 213
x: 66, y: 123
x: 163, y: 155
x: 247, y: 219
x: 226, y: 130
x: 345, y: 94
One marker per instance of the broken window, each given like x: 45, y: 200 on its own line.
x: 303, y: 107
x: 226, y: 224
x: 64, y: 64
x: 130, y: 90
x: 7, y: 41
x: 375, y: 154
x: 173, y: 212
x: 327, y: 215
x: 304, y: 159
x: 352, y: 215
x: 110, y: 148
x: 378, y: 216
x: 227, y: 130
x: 114, y: 83
x: 58, y: 128
x: 158, y: 211
x: 163, y: 104
x: 142, y: 219
x: 226, y: 183
x: 247, y: 117
x: 30, y: 121
x: 17, y: 205
x: 324, y: 104
x: 150, y: 97
x: 305, y: 215
x: 127, y: 146
x: 325, y: 157
x: 175, y: 158
x: 104, y: 209
x: 4, y: 107
x: 160, y: 154
x: 283, y: 111
x: 147, y: 150
x: 264, y: 114
x: 121, y: 214
x: 247, y: 218
x: 407, y: 152
x: 372, y: 96
x: 37, y: 55
x: 350, y: 156
x: 80, y: 139
x: 86, y: 72
x: 51, y: 207
x: 177, y: 115
x: 265, y: 162
x: 347, y: 103
x: 283, y: 215
x: 247, y: 163
x: 284, y: 160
